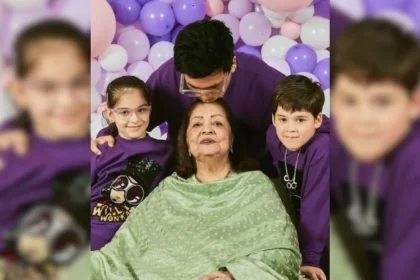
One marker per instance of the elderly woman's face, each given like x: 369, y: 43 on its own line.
x: 209, y: 132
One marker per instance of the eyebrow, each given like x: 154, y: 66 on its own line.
x: 210, y: 87
x: 212, y: 116
x: 297, y: 116
x: 126, y: 108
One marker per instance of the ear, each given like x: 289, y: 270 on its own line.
x: 318, y: 121
x: 234, y: 65
x: 415, y: 110
x: 109, y: 115
x: 18, y: 93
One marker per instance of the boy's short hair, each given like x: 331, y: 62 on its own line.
x: 298, y: 93
x: 375, y: 50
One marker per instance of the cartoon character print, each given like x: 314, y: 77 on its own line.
x: 127, y: 190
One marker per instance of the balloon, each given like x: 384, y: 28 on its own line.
x: 277, y: 46
x: 157, y: 18
x: 258, y: 9
x: 254, y: 29
x: 214, y: 7
x: 103, y: 26
x: 401, y: 19
x: 142, y: 2
x: 239, y: 8
x: 101, y: 107
x: 279, y: 64
x: 156, y: 39
x: 167, y: 1
x: 373, y: 7
x: 96, y: 125
x: 188, y: 11
x: 126, y: 11
x: 160, y: 53
x: 326, y: 108
x: 322, y: 8
x: 255, y: 1
x: 301, y: 58
x: 309, y: 75
x: 303, y: 15
x: 249, y: 50
x: 25, y: 4
x: 140, y: 69
x: 95, y: 99
x: 321, y: 54
x: 175, y: 32
x: 95, y: 71
x: 136, y: 43
x: 114, y: 58
x: 232, y: 23
x: 322, y: 71
x: 285, y: 5
x: 106, y: 78
x: 275, y: 15
x: 75, y: 11
x: 316, y: 33
x: 290, y: 30
x: 413, y: 11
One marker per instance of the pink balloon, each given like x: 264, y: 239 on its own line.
x: 106, y: 78
x: 95, y: 71
x: 140, y: 69
x: 214, y: 7
x: 290, y: 30
x: 232, y: 23
x: 136, y: 43
x: 103, y: 26
x: 239, y: 8
x: 285, y: 5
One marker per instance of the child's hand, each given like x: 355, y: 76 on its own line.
x: 101, y: 140
x: 218, y: 275
x: 313, y: 273
x: 17, y: 139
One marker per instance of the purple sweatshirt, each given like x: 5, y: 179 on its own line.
x: 39, y: 176
x: 121, y: 177
x: 248, y: 95
x: 310, y: 198
x: 392, y: 244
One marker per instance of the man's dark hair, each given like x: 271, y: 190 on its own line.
x: 374, y: 50
x: 204, y: 47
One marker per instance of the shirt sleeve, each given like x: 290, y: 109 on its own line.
x: 315, y: 209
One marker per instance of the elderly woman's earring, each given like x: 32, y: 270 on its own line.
x: 231, y: 149
x: 189, y: 153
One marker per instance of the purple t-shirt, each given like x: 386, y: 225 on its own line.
x: 248, y: 95
x: 310, y: 196
x: 121, y: 177
x: 391, y: 190
x: 38, y: 176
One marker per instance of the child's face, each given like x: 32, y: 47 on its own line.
x: 295, y: 129
x: 134, y: 126
x: 56, y: 91
x: 371, y: 118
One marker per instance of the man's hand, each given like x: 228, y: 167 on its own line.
x: 16, y: 139
x: 101, y: 140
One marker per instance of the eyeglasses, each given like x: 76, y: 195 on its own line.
x: 200, y: 92
x: 125, y: 114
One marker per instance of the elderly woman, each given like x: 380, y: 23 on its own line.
x: 213, y: 219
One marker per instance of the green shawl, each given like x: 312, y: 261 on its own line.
x: 186, y: 229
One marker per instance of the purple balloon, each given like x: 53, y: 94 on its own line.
x: 126, y: 11
x: 322, y: 8
x: 157, y: 18
x: 250, y: 50
x: 188, y: 11
x: 142, y: 2
x: 175, y: 32
x: 136, y: 43
x: 156, y: 39
x: 375, y: 6
x: 301, y: 58
x: 414, y: 12
x: 322, y: 72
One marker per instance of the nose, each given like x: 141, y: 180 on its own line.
x: 207, y: 128
x: 291, y: 126
x: 207, y: 97
x: 134, y: 118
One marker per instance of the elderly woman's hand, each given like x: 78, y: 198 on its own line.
x: 218, y: 275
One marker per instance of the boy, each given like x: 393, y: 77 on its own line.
x: 375, y: 155
x: 299, y: 148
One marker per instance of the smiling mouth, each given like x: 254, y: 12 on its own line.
x: 207, y: 141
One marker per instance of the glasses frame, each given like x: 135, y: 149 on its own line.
x: 199, y: 92
x: 115, y: 111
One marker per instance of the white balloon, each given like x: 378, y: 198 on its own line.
x: 274, y: 15
x: 114, y: 58
x: 321, y: 54
x: 316, y: 33
x: 309, y: 75
x: 239, y: 8
x: 140, y: 69
x: 279, y: 64
x: 8, y: 110
x: 276, y: 23
x: 277, y: 46
x: 95, y: 99
x: 96, y: 124
x: 25, y: 4
x: 326, y: 108
x: 303, y: 15
x: 160, y: 53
